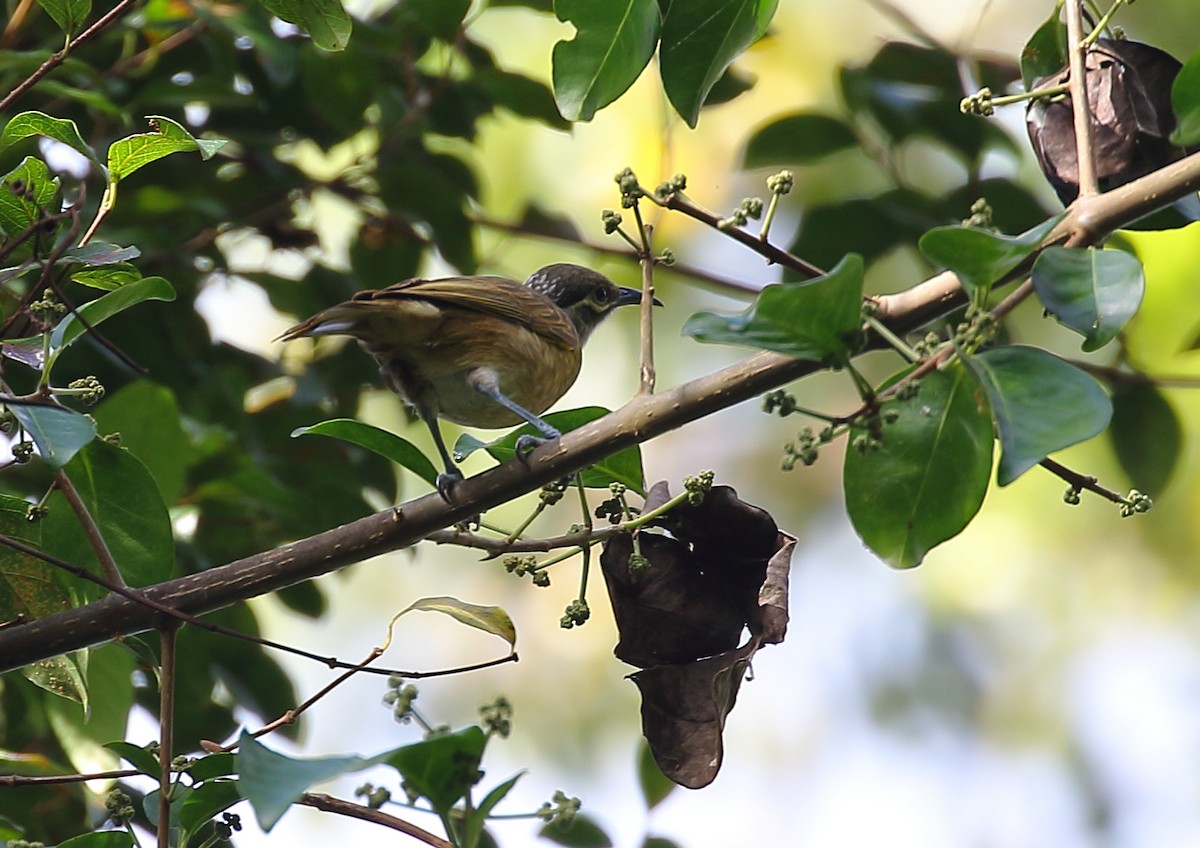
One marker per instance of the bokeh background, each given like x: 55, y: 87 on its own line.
x: 1033, y: 683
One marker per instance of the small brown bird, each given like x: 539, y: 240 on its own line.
x: 480, y: 351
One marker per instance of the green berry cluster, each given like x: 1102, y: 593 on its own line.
x: 497, y: 717
x: 1135, y: 502
x: 576, y: 613
x: 400, y: 696
x: 526, y: 564
x: 698, y: 486
x: 979, y: 104
x: 376, y: 796
x: 674, y: 185
x: 561, y: 808
x: 118, y: 808
x: 631, y: 190
x: 806, y: 447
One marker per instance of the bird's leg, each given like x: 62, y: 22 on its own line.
x: 484, y: 381
x: 447, y: 480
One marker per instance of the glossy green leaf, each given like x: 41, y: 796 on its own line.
x: 27, y: 193
x: 104, y: 307
x: 127, y: 155
x: 624, y: 466
x: 380, y: 441
x: 272, y: 782
x: 798, y: 139
x: 928, y: 477
x: 1040, y: 404
x: 979, y: 257
x: 868, y: 226
x: 206, y: 801
x: 70, y: 15
x: 137, y: 756
x: 58, y: 433
x: 580, y: 831
x: 441, y: 769
x: 1185, y: 100
x: 700, y: 39
x: 148, y: 420
x: 489, y: 619
x: 1094, y: 292
x: 325, y: 21
x: 124, y: 501
x: 612, y: 45
x: 30, y: 124
x: 108, y: 277
x: 1146, y: 434
x: 1046, y: 51
x: 819, y: 320
x: 440, y: 18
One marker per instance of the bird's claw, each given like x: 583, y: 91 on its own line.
x: 526, y: 444
x: 445, y: 483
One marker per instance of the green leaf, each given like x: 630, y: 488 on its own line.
x: 700, y: 39
x: 930, y: 473
x: 27, y: 194
x: 441, y: 769
x: 798, y: 139
x: 325, y: 21
x: 655, y: 785
x: 477, y: 816
x: 578, y: 832
x: 1094, y: 292
x: 819, y: 320
x: 1040, y: 404
x: 129, y: 154
x: 70, y: 15
x: 440, y: 18
x: 1185, y: 100
x: 98, y: 253
x: 213, y: 766
x: 107, y: 278
x: 489, y: 619
x: 1145, y: 433
x: 272, y: 782
x: 29, y: 124
x: 58, y: 433
x: 148, y: 420
x: 83, y: 733
x: 104, y: 307
x: 1046, y: 51
x: 62, y: 676
x: 125, y: 503
x: 28, y: 587
x: 613, y: 43
x: 980, y: 257
x: 206, y: 801
x: 136, y: 756
x: 380, y: 441
x: 623, y: 467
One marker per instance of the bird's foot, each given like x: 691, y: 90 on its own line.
x: 446, y: 481
x: 526, y: 444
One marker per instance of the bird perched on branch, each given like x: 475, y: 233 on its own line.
x: 480, y: 351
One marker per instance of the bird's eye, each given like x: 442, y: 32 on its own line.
x: 601, y: 295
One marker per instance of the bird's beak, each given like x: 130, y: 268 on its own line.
x: 626, y: 297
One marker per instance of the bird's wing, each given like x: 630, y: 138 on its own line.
x: 497, y: 296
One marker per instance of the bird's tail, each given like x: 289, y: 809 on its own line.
x: 345, y: 319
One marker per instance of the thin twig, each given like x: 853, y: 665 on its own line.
x: 1081, y: 481
x: 646, y: 324
x: 55, y: 59
x: 166, y: 730
x: 90, y: 528
x: 1077, y: 62
x: 58, y: 779
x: 330, y: 804
x: 186, y: 618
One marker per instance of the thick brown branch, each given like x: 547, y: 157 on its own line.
x: 647, y: 416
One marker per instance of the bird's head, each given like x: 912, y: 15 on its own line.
x: 586, y: 296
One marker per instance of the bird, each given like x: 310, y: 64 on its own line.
x: 483, y: 351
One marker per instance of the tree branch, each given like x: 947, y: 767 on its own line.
x: 643, y: 418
